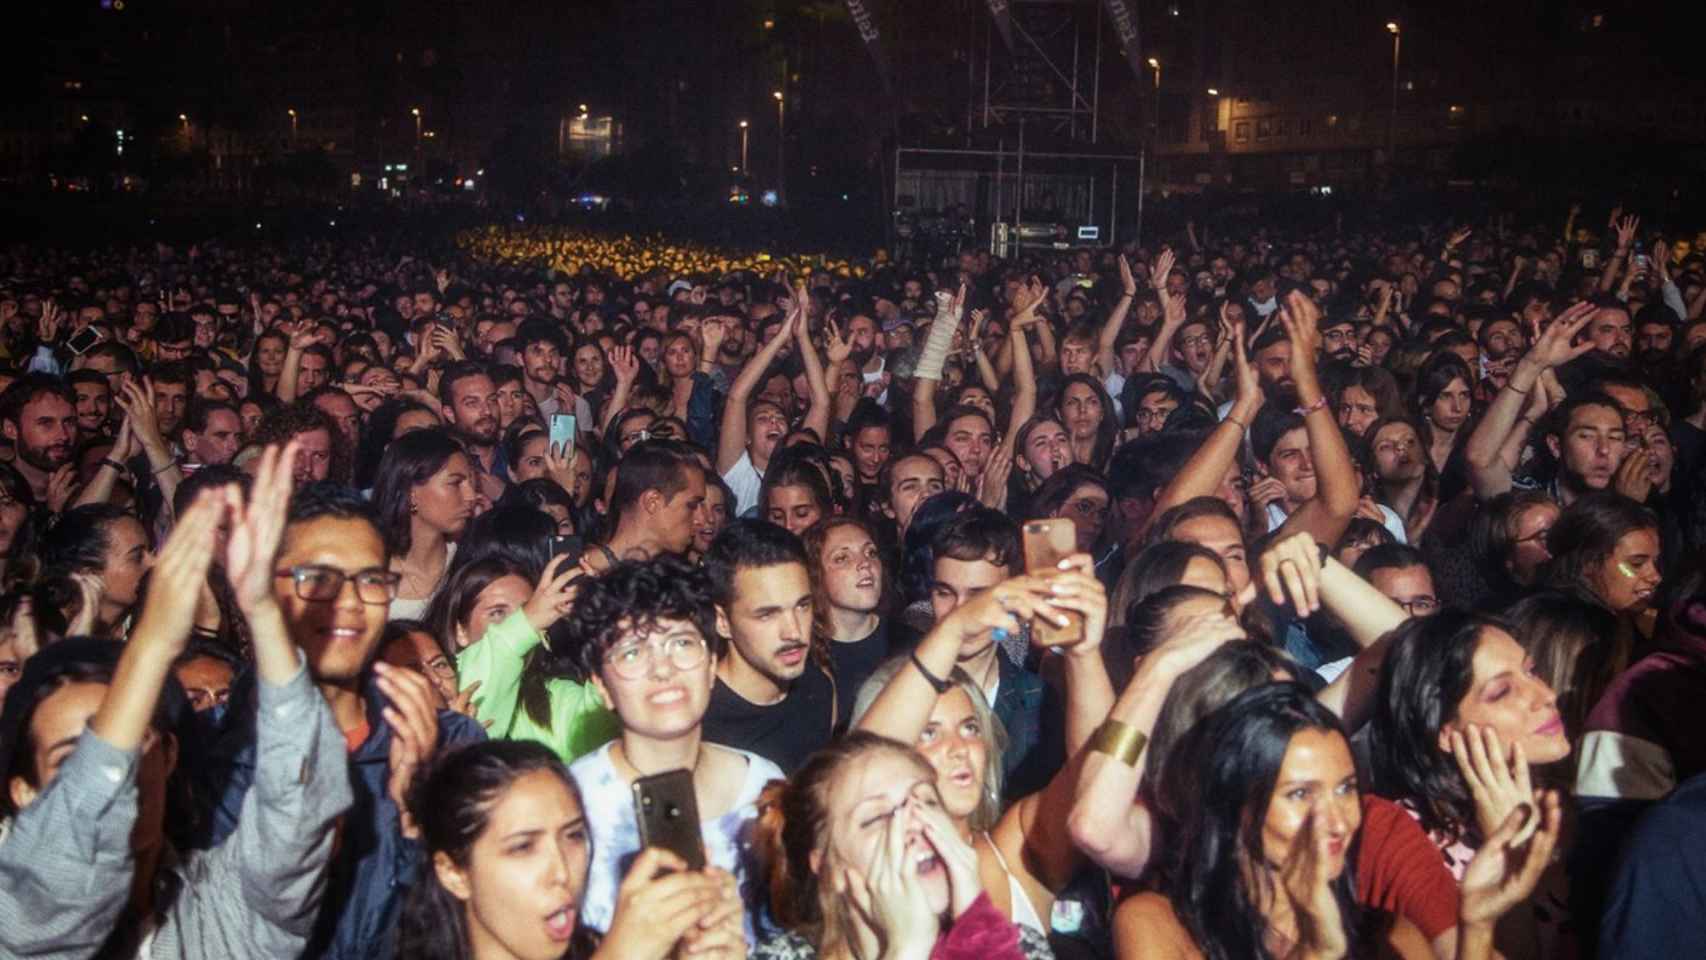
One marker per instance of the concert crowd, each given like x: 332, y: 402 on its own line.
x: 1247, y: 593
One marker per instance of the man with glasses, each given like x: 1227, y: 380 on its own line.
x: 1401, y: 573
x: 333, y: 585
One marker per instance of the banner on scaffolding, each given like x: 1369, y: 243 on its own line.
x: 1003, y: 18
x: 865, y: 21
x: 1124, y: 15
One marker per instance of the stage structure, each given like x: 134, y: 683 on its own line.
x: 1048, y: 76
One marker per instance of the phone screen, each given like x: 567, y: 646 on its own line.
x: 1047, y: 542
x: 563, y: 434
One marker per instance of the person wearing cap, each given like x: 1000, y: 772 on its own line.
x: 87, y: 748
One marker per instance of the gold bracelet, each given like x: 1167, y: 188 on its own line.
x: 1122, y: 741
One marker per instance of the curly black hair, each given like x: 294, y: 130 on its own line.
x: 633, y: 593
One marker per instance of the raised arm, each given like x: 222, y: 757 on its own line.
x: 1626, y: 230
x: 1293, y: 573
x: 927, y: 373
x: 137, y: 401
x: 1488, y: 470
x: 1034, y: 832
x: 731, y: 438
x: 1116, y: 317
x: 287, y: 377
x: 903, y: 707
x: 1108, y: 821
x: 1329, y: 512
x: 1202, y: 473
x: 1024, y: 386
x: 817, y: 415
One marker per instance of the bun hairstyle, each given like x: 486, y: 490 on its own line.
x: 793, y: 825
x: 452, y: 804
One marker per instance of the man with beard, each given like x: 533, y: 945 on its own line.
x: 94, y: 400
x: 1611, y: 329
x: 541, y: 359
x: 869, y: 345
x: 38, y: 414
x: 470, y: 401
x: 173, y: 383
x: 770, y: 696
x: 1338, y: 341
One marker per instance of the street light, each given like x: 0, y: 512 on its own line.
x: 1392, y: 127
x: 781, y: 142
x: 416, y: 112
x: 743, y: 126
x: 1156, y: 64
x: 292, y: 112
x: 584, y: 110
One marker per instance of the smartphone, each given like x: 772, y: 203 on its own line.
x: 83, y: 340
x: 1047, y: 542
x: 563, y: 434
x: 566, y: 544
x: 668, y: 816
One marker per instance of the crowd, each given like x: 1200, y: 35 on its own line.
x: 355, y: 606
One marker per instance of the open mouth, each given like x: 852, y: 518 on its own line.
x: 669, y: 696
x: 560, y: 924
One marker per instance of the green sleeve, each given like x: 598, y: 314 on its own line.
x: 495, y: 661
x: 579, y: 720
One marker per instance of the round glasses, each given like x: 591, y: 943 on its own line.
x: 631, y: 661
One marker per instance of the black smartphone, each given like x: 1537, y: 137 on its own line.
x: 570, y: 545
x: 668, y: 816
x: 83, y: 340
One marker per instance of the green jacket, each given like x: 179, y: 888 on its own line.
x: 579, y: 721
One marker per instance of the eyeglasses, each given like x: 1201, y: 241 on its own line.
x: 1419, y: 606
x: 321, y: 584
x: 631, y: 661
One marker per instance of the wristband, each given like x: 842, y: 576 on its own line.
x: 1241, y: 424
x: 110, y: 462
x: 1319, y: 404
x: 169, y: 465
x: 940, y: 685
x: 1122, y: 741
x: 1511, y: 386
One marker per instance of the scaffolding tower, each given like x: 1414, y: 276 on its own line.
x: 1052, y: 76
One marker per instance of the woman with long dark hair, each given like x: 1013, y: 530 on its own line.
x: 1607, y: 545
x: 1458, y: 705
x: 425, y: 495
x: 507, y: 851
x: 1259, y: 863
x: 1083, y: 406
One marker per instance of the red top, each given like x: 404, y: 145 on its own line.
x: 981, y: 933
x: 1399, y: 869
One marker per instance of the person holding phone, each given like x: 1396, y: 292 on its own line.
x: 489, y: 896
x: 645, y: 634
x: 924, y: 698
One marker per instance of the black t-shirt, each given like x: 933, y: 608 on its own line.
x: 854, y: 663
x: 784, y: 733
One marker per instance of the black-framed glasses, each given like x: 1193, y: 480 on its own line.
x: 633, y: 660
x: 1419, y: 606
x: 322, y: 584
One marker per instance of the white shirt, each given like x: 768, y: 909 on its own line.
x: 744, y: 482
